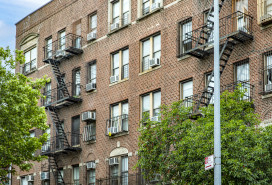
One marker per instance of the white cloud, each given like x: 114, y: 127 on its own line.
x: 25, y: 3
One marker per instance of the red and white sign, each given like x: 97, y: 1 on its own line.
x: 209, y: 162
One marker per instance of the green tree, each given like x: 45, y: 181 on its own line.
x: 19, y: 113
x: 177, y: 146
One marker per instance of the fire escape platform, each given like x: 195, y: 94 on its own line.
x: 64, y: 102
x: 238, y: 36
x: 74, y: 50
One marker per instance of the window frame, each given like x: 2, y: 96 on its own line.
x: 119, y: 176
x: 151, y: 55
x: 47, y: 48
x: 89, y: 175
x: 76, y: 181
x: 151, y: 103
x: 48, y: 93
x: 62, y: 39
x: 31, y: 61
x: 90, y: 28
x: 123, y: 17
x: 189, y: 98
x: 90, y: 79
x: 121, y: 64
x: 181, y: 47
x: 148, y: 9
x: 75, y: 84
x: 75, y: 138
x: 267, y: 70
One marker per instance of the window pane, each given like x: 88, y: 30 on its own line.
x: 34, y: 53
x: 125, y: 6
x: 124, y: 164
x: 157, y: 43
x: 93, y: 71
x: 115, y: 10
x: 186, y: 28
x: 93, y: 21
x: 146, y: 48
x: 76, y: 173
x: 116, y: 60
x: 146, y: 103
x: 115, y: 111
x: 187, y: 89
x: 27, y: 57
x: 269, y: 68
x: 125, y: 57
x: 125, y: 108
x: 156, y: 100
x: 243, y: 72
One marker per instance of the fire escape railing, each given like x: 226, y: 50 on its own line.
x: 117, y: 125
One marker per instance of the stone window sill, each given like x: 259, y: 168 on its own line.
x: 147, y: 15
x: 121, y: 81
x: 150, y: 70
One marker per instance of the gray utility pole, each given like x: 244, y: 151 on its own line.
x: 217, y: 134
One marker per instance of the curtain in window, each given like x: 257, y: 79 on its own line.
x: 93, y: 22
x: 77, y: 83
x: 34, y: 58
x: 62, y: 40
x: 49, y: 48
x: 211, y: 84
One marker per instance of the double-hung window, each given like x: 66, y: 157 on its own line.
x: 93, y: 23
x: 48, y: 93
x: 76, y: 175
x: 120, y: 65
x: 49, y: 48
x: 186, y: 89
x: 242, y: 76
x: 89, y: 133
x: 30, y: 60
x: 92, y: 72
x: 120, y: 13
x: 75, y: 130
x: 119, y: 171
x: 151, y: 52
x: 150, y: 5
x: 264, y: 11
x: 151, y: 103
x: 185, y: 36
x: 119, y: 118
x: 77, y: 43
x: 91, y: 176
x: 62, y: 40
x: 76, y: 82
x: 268, y: 72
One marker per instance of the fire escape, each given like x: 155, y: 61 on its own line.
x: 234, y: 29
x: 60, y: 143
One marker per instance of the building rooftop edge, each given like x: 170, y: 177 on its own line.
x: 33, y: 12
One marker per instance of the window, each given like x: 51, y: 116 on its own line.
x: 92, y: 72
x: 120, y: 58
x: 241, y: 7
x: 24, y: 181
x: 91, y: 176
x: 77, y: 31
x: 76, y: 175
x: 89, y: 131
x: 119, y: 172
x: 46, y: 146
x: 47, y: 93
x: 268, y: 72
x: 120, y: 13
x: 30, y: 60
x: 151, y: 49
x: 150, y: 5
x: 186, y: 89
x: 76, y: 82
x: 93, y: 23
x: 49, y: 48
x: 60, y: 137
x: 60, y: 177
x: 185, y: 35
x: 119, y: 118
x: 242, y: 75
x: 75, y: 130
x: 151, y: 103
x: 61, y: 38
x: 210, y: 86
x: 264, y: 11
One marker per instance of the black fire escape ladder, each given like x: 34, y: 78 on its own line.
x: 207, y: 30
x: 59, y: 129
x: 55, y: 170
x: 207, y: 94
x: 61, y: 84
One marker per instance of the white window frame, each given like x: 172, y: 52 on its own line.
x: 31, y: 64
x: 188, y: 100
x: 152, y: 109
x: 121, y: 177
x: 93, y: 23
x: 119, y: 119
x: 148, y: 9
x: 121, y: 62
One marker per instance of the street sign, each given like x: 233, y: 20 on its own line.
x: 209, y: 162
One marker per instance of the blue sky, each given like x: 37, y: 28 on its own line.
x: 12, y: 11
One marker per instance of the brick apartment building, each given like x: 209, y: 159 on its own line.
x: 112, y: 60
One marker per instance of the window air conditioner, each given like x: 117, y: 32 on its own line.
x: 114, y: 26
x: 266, y: 17
x: 113, y: 130
x: 30, y: 178
x: 44, y: 175
x: 154, y: 62
x: 91, y: 165
x: 155, y: 118
x: 91, y: 36
x: 88, y: 116
x: 114, y: 78
x: 113, y: 161
x: 60, y: 53
x: 155, y: 6
x: 90, y: 86
x: 268, y: 87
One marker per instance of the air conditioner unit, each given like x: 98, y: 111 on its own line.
x: 91, y: 165
x: 155, y: 118
x: 88, y: 116
x: 114, y: 78
x: 30, y: 178
x: 265, y: 18
x: 154, y: 62
x: 113, y: 161
x: 268, y: 87
x: 113, y: 130
x: 44, y: 175
x: 155, y: 6
x: 60, y: 53
x: 90, y: 86
x: 91, y: 36
x: 114, y: 26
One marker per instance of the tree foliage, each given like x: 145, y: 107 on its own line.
x: 19, y: 113
x: 177, y: 146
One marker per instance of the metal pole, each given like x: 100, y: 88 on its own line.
x: 217, y: 135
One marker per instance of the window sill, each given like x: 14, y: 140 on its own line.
x: 30, y: 72
x: 149, y: 70
x: 116, y: 30
x: 90, y: 142
x: 147, y: 15
x: 184, y: 57
x: 266, y: 22
x: 268, y: 95
x: 121, y: 81
x: 119, y: 134
x: 91, y: 92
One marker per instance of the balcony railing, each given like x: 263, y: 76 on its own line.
x: 125, y: 179
x: 61, y: 96
x: 67, y: 45
x: 58, y: 144
x: 238, y: 26
x: 117, y: 125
